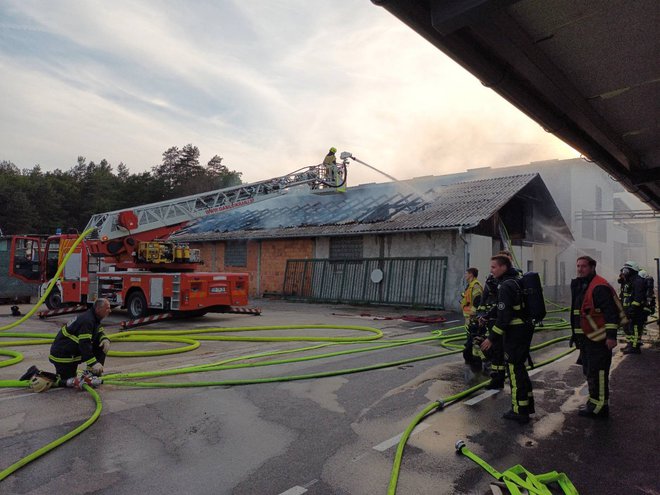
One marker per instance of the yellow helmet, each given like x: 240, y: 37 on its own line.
x: 333, y: 150
x: 40, y: 383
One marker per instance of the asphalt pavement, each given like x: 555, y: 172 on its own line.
x: 334, y: 435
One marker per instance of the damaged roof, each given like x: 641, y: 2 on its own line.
x: 422, y: 204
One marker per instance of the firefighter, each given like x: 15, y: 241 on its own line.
x: 330, y: 166
x: 516, y: 331
x: 487, y: 315
x: 470, y: 300
x: 596, y: 314
x: 80, y: 340
x: 633, y: 297
x: 471, y: 296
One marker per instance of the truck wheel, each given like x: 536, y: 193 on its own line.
x: 136, y: 304
x: 54, y: 299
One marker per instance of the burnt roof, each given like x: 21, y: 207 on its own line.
x: 416, y: 205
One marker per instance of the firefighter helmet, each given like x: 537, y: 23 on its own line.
x: 40, y: 383
x: 631, y: 265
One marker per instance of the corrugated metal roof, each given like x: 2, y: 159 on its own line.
x: 423, y: 204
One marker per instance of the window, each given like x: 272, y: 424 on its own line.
x: 587, y: 226
x: 562, y: 273
x: 544, y: 274
x: 530, y: 265
x: 342, y: 248
x: 236, y: 253
x: 599, y: 199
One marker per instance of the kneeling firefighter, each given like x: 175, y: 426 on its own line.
x: 82, y: 340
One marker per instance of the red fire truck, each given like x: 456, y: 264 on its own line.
x: 129, y: 260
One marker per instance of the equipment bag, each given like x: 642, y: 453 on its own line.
x: 532, y: 296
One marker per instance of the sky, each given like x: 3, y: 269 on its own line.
x: 269, y: 85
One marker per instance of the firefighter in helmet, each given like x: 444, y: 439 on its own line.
x: 330, y: 166
x: 633, y: 297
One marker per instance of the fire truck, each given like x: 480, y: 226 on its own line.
x: 130, y: 260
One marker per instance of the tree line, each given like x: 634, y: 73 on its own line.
x: 34, y: 201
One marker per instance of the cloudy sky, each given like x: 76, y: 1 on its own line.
x: 267, y: 84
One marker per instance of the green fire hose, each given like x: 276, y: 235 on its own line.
x: 517, y: 477
x: 192, y: 339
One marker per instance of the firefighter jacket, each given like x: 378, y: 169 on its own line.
x: 488, y: 304
x: 76, y: 341
x: 509, y: 306
x: 595, y: 309
x: 471, y: 298
x: 633, y: 296
x: 330, y: 160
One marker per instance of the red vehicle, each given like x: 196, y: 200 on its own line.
x: 129, y: 260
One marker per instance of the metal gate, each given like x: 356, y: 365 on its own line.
x: 418, y: 282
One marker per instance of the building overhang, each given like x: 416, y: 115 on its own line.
x: 586, y: 72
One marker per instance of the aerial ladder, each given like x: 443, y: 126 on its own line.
x: 129, y: 260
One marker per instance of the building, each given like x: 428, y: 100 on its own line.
x: 402, y: 243
x: 606, y: 222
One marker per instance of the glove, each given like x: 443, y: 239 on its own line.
x: 96, y: 369
x: 105, y: 346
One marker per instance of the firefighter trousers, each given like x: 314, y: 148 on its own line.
x: 497, y: 367
x: 596, y: 361
x: 634, y: 330
x: 68, y: 370
x: 517, y: 341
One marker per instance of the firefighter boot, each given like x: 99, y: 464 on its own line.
x: 629, y: 349
x: 518, y: 417
x: 32, y: 370
x: 588, y: 412
x: 496, y: 381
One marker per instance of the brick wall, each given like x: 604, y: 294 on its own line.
x: 266, y: 275
x: 273, y: 260
x: 212, y: 253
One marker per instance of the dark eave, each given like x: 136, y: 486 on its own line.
x: 588, y: 72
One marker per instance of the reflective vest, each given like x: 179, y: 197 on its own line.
x: 466, y: 299
x: 592, y: 320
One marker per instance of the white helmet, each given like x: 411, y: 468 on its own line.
x: 631, y: 265
x: 643, y: 274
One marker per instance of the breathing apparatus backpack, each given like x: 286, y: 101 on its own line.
x: 650, y: 294
x: 533, y: 301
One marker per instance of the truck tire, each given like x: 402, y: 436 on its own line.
x: 136, y: 305
x: 54, y: 299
